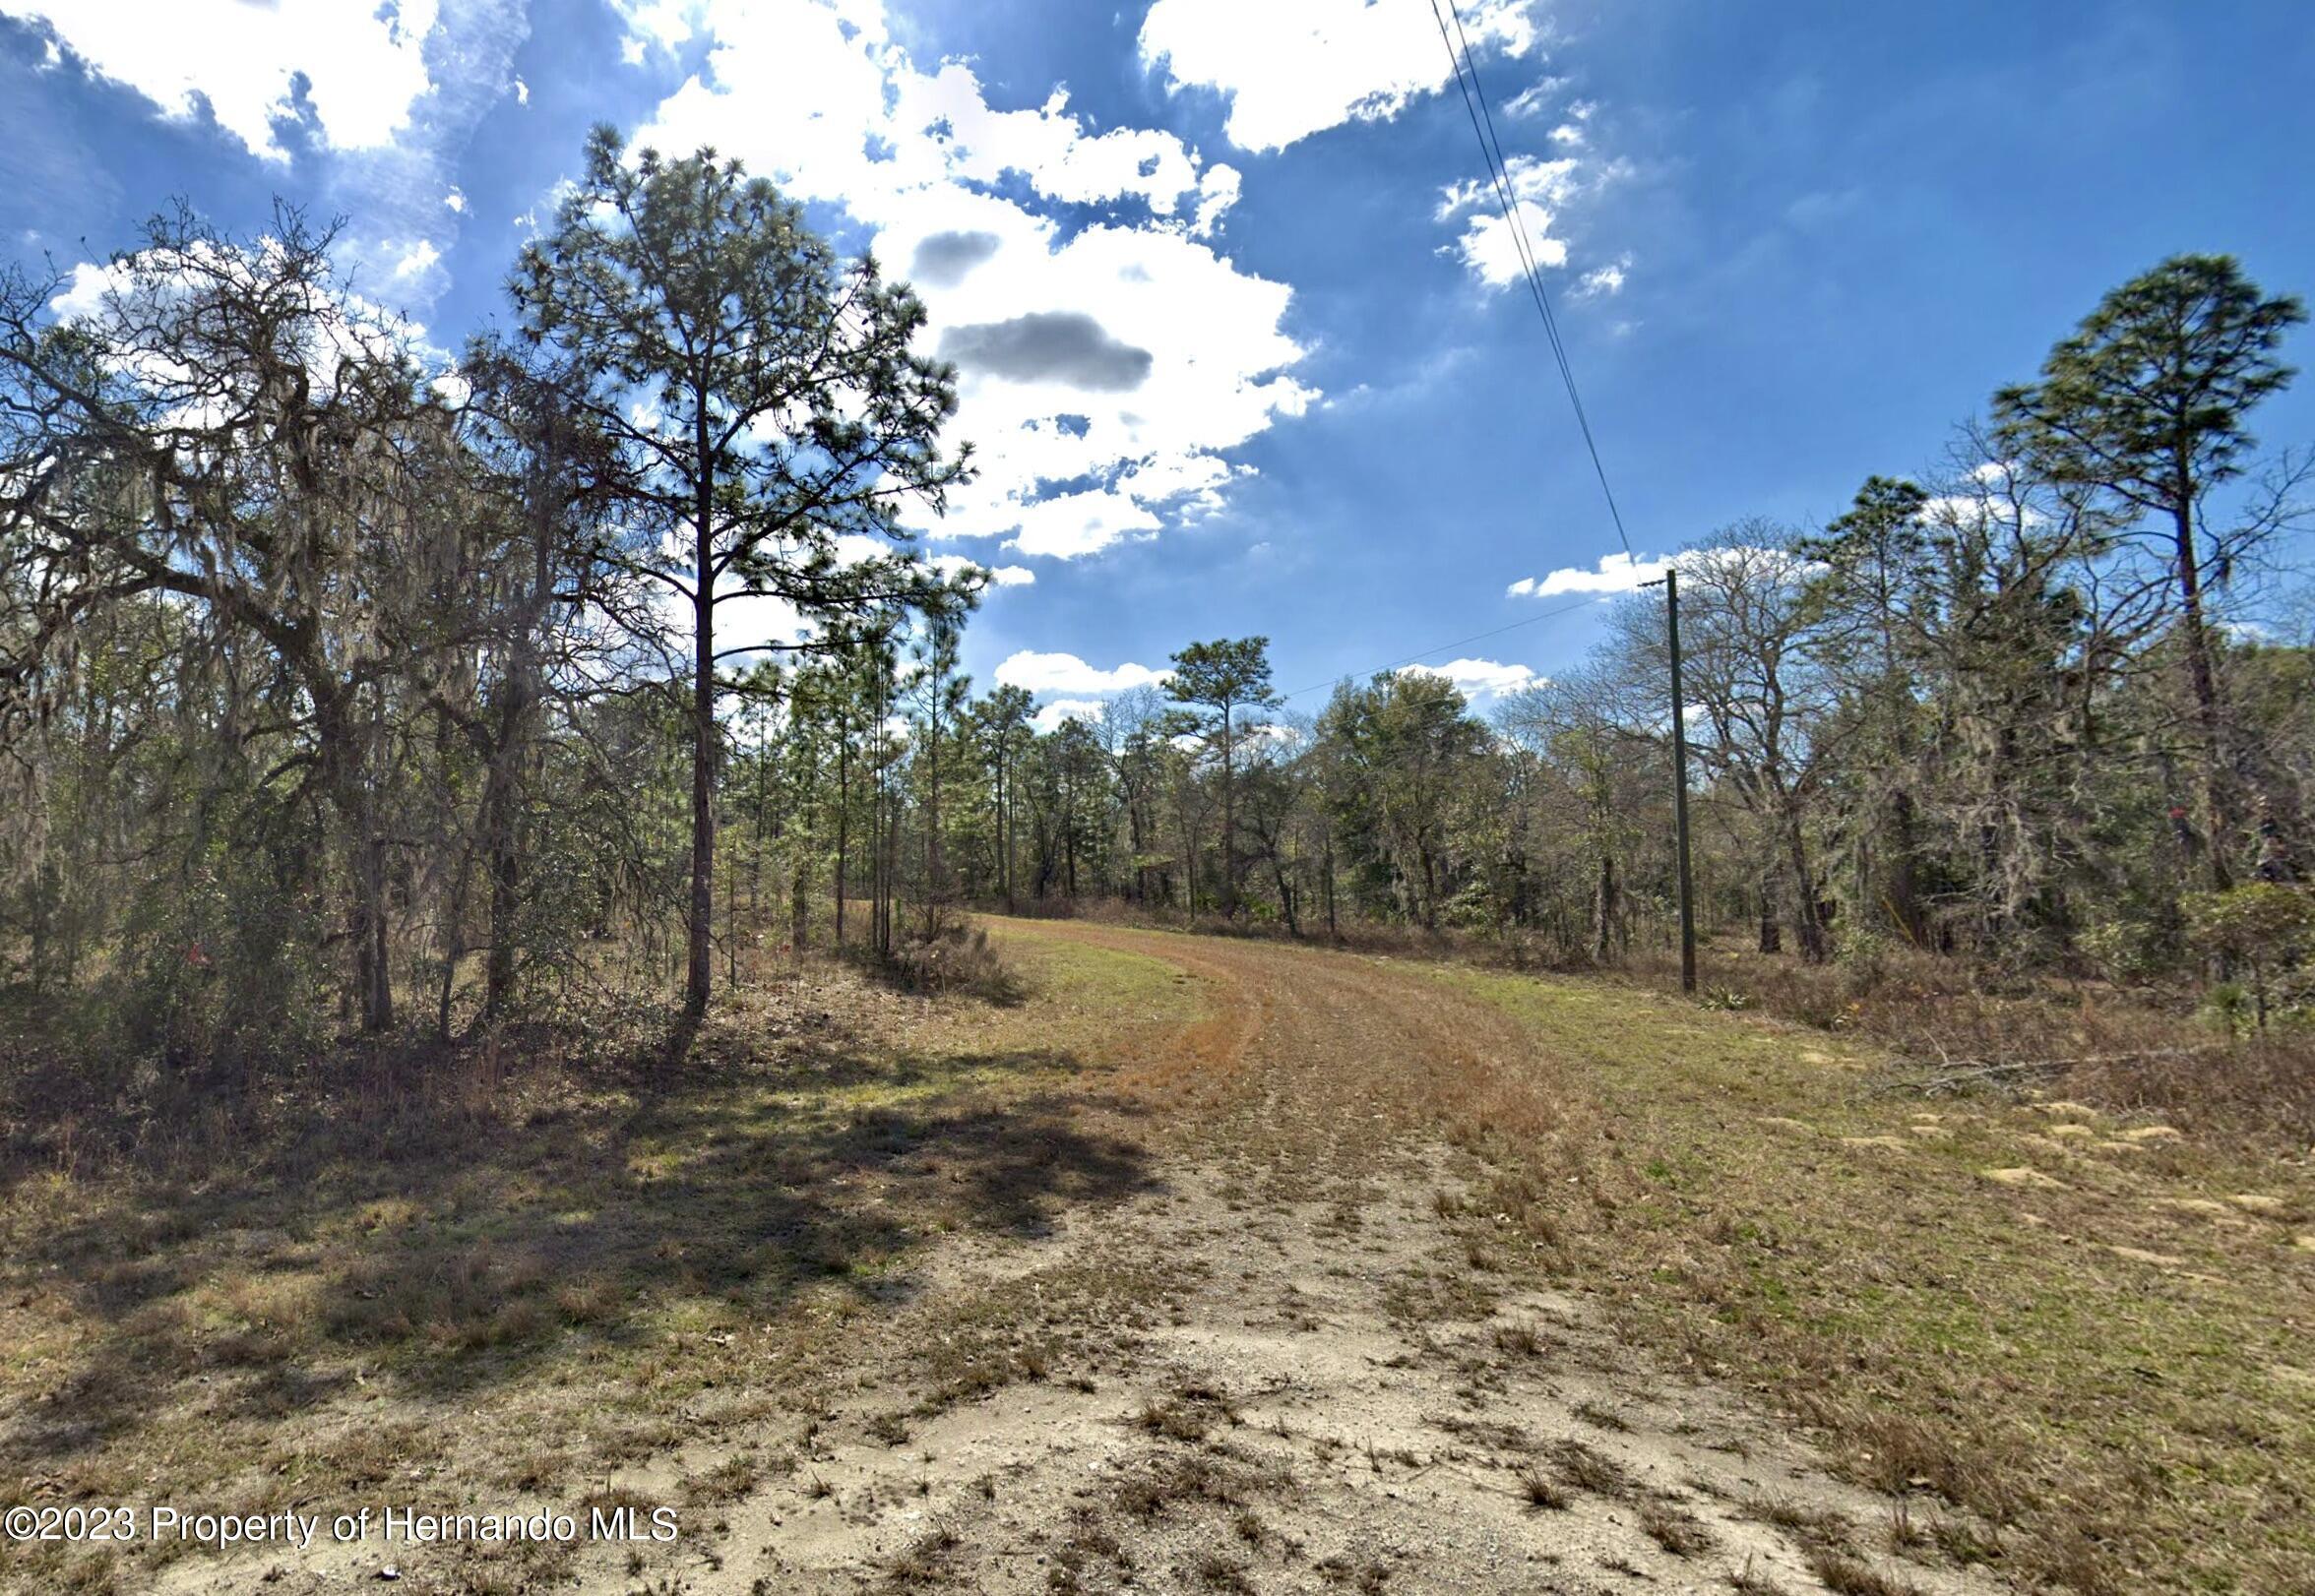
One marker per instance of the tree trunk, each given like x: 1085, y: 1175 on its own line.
x: 1603, y: 911
x: 1903, y: 896
x: 1230, y: 829
x: 2217, y: 822
x: 1333, y: 929
x: 701, y: 968
x: 933, y: 819
x: 844, y: 815
x: 800, y: 904
x: 506, y: 885
x: 1806, y: 922
x: 375, y: 977
x: 1189, y: 869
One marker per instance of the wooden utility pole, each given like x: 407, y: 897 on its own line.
x: 1671, y: 588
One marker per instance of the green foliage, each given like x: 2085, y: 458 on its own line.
x: 2127, y: 949
x: 344, y: 701
x: 1406, y: 756
x: 2265, y: 928
x: 1862, y: 957
x: 2148, y: 398
x: 765, y: 400
x: 1227, y: 674
x: 2265, y: 922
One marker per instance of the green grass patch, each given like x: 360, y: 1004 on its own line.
x: 2108, y: 1358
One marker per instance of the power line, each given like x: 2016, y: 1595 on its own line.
x: 1483, y: 120
x: 1458, y: 643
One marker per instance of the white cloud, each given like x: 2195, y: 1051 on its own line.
x: 1066, y: 673
x: 1048, y: 719
x: 663, y: 23
x: 1993, y: 493
x: 363, y: 65
x: 392, y: 95
x: 1604, y: 279
x: 1531, y: 99
x: 1000, y: 576
x: 1538, y: 189
x: 1478, y: 679
x: 745, y: 620
x: 1292, y: 68
x: 84, y: 292
x: 1615, y: 574
x: 966, y: 198
x: 115, y: 304
x: 420, y: 256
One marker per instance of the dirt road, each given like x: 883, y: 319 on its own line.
x: 1293, y: 1362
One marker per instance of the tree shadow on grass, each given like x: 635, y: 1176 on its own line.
x: 446, y: 1255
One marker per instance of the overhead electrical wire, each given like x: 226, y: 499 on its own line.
x: 1482, y: 121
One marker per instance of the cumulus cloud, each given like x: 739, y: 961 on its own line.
x: 1541, y: 191
x: 1292, y: 68
x: 1538, y: 191
x: 1110, y: 355
x: 943, y: 259
x: 1478, y: 679
x: 1531, y: 100
x: 386, y: 95
x: 419, y: 258
x: 1992, y: 493
x: 1049, y: 717
x: 354, y: 70
x: 1615, y: 574
x: 1604, y: 279
x: 999, y: 575
x: 1049, y: 345
x: 1042, y: 673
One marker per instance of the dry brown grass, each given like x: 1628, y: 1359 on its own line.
x: 1846, y: 1575
x: 1540, y: 1489
x: 2129, y: 1050
x: 2094, y: 1374
x: 1591, y: 1469
x: 250, y: 1288
x: 1677, y: 1531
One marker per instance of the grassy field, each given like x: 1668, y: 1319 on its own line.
x: 2099, y: 1336
x: 469, y: 1277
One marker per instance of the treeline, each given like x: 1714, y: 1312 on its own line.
x: 2012, y: 714
x: 2018, y: 715
x: 337, y: 682
x: 344, y: 689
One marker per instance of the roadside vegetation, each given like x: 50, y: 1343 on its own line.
x: 2087, y: 1329
x: 494, y: 1277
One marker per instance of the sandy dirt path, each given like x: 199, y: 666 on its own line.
x: 1287, y: 1365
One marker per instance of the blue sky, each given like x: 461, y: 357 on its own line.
x: 1252, y: 367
